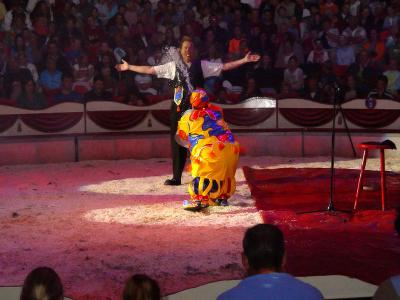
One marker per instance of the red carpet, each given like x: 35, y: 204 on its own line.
x: 361, y: 244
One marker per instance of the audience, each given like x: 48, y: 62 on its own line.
x: 263, y: 258
x: 42, y: 283
x: 390, y: 289
x: 141, y: 287
x: 80, y: 36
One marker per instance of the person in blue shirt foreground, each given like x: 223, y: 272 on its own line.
x: 263, y: 258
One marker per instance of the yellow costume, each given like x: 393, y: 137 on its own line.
x: 213, y: 152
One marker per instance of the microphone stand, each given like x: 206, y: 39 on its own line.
x: 336, y: 106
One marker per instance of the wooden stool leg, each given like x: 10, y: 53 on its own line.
x: 383, y: 179
x: 360, y: 178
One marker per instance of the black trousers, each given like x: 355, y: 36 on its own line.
x: 179, y: 153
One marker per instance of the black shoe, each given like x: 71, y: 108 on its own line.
x: 172, y: 182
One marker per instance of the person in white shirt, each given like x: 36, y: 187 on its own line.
x: 186, y: 74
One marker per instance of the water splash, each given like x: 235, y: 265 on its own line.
x: 172, y: 54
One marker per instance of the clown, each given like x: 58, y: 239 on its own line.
x: 213, y: 153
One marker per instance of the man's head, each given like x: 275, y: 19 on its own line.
x: 263, y: 249
x: 187, y: 49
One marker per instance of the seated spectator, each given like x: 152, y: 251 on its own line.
x: 250, y: 89
x: 392, y: 18
x: 263, y: 258
x: 390, y: 288
x: 30, y: 97
x: 318, y: 55
x: 312, y: 91
x: 381, y: 91
x: 374, y: 46
x: 355, y: 34
x: 67, y: 94
x: 393, y: 43
x: 83, y: 74
x: 266, y: 76
x: 50, y: 78
x: 14, y: 73
x: 24, y: 64
x: 393, y: 75
x: 294, y: 75
x: 365, y: 70
x: 98, y: 93
x: 351, y: 88
x: 345, y: 53
x: 141, y: 287
x: 42, y: 283
x: 234, y: 42
x: 110, y: 83
x: 144, y: 84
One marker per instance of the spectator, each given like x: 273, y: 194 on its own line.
x: 389, y: 289
x: 234, y: 42
x: 141, y: 287
x: 381, y: 91
x: 294, y: 75
x: 50, y: 78
x: 393, y: 76
x: 318, y: 55
x: 144, y: 84
x: 351, y: 88
x: 67, y: 94
x: 263, y: 258
x: 365, y: 71
x: 14, y: 74
x: 24, y: 64
x: 312, y: 91
x: 267, y: 77
x: 374, y: 46
x: 83, y: 74
x: 391, y: 19
x: 42, y: 283
x: 30, y: 97
x: 16, y: 11
x: 345, y: 53
x: 98, y: 93
x: 356, y: 35
x: 250, y: 89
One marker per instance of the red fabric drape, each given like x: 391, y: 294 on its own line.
x: 162, y: 116
x: 6, y: 121
x: 374, y: 118
x: 52, y: 122
x: 117, y: 120
x: 307, y: 117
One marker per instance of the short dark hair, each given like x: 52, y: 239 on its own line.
x: 264, y: 247
x: 42, y: 282
x: 141, y: 287
x: 383, y: 78
x: 185, y: 38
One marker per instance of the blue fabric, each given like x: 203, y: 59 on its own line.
x: 273, y: 286
x: 396, y: 283
x: 50, y: 80
x: 71, y: 97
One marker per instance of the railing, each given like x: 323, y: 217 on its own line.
x: 254, y: 114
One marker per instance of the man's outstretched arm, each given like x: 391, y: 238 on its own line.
x: 237, y: 63
x: 124, y: 66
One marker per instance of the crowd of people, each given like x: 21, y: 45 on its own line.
x: 263, y: 259
x: 53, y: 51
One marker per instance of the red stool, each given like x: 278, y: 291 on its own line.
x: 374, y: 146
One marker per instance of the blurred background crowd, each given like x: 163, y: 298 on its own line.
x: 54, y: 51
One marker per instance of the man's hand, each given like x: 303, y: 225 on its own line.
x: 122, y: 67
x: 251, y: 57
